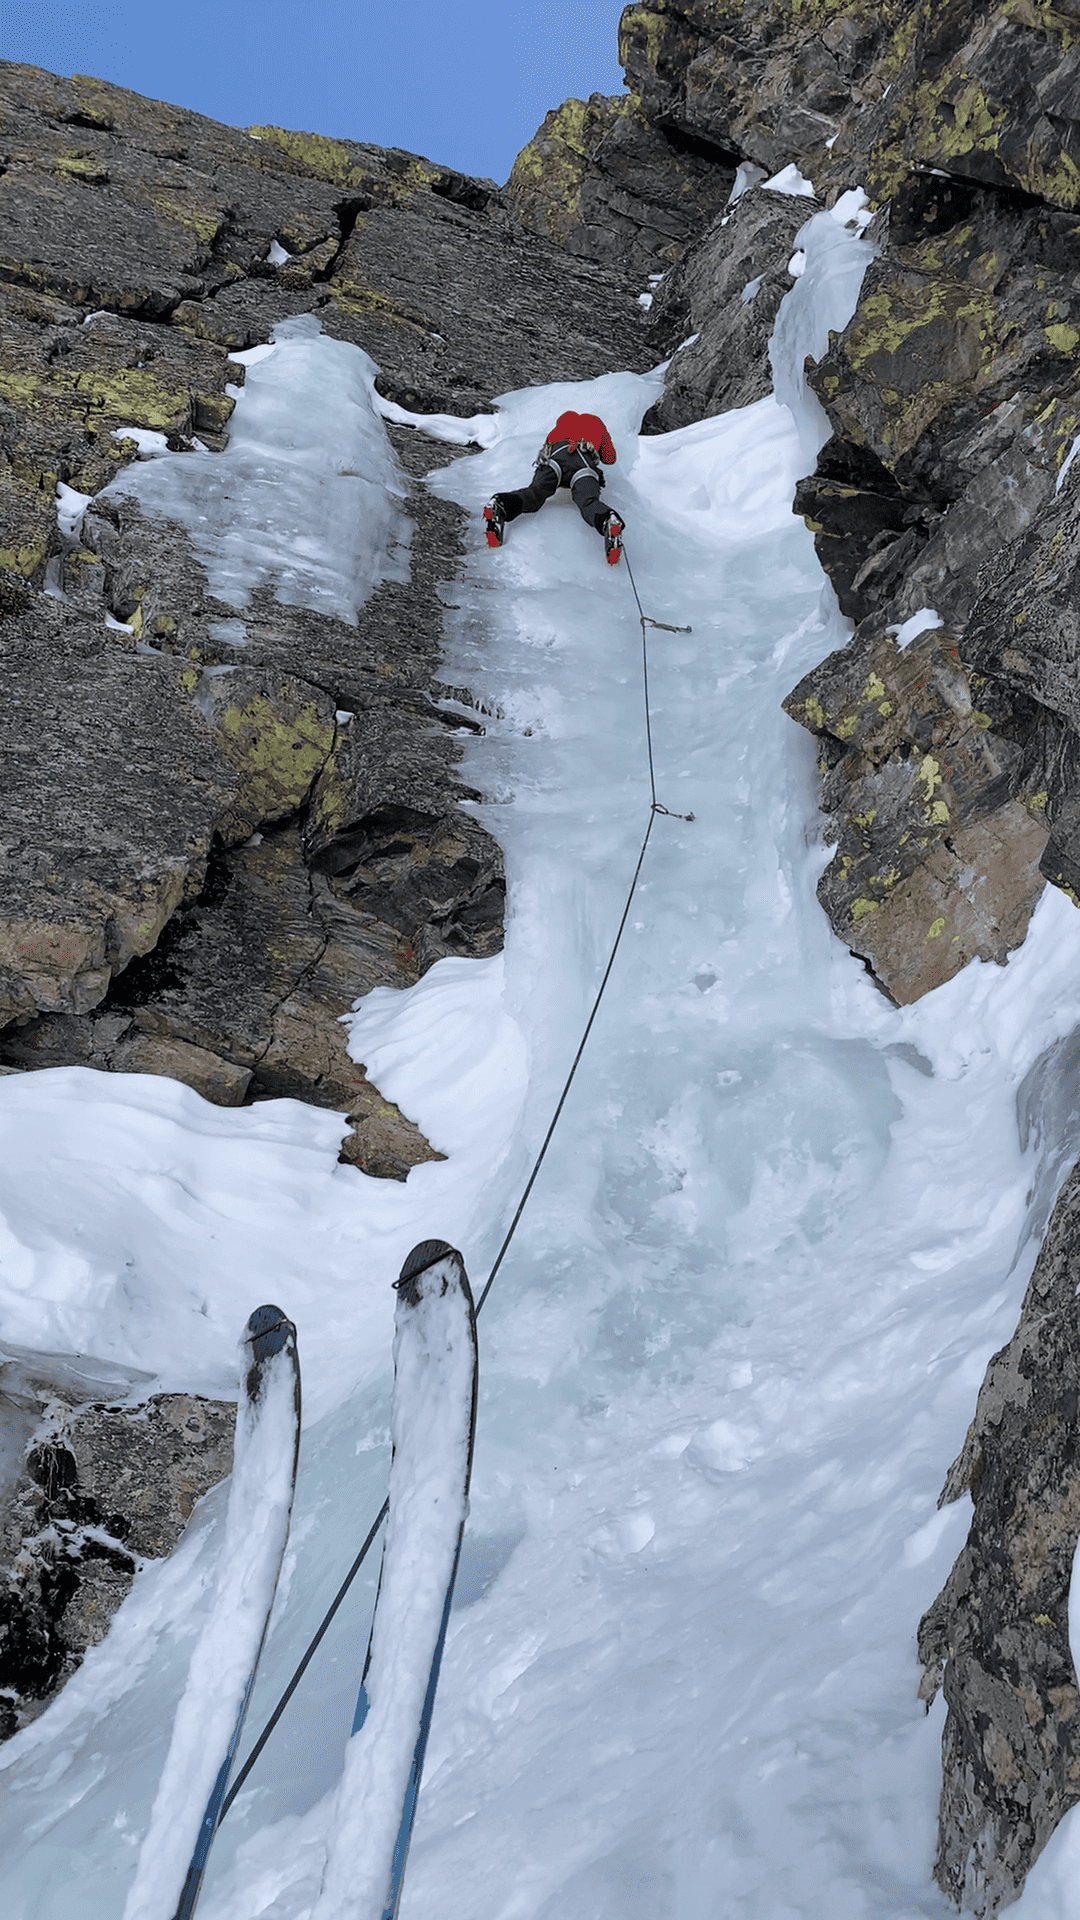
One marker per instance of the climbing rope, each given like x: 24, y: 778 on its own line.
x: 655, y: 807
x: 661, y: 627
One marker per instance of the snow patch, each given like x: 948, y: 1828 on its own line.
x: 925, y: 621
x: 148, y: 441
x: 70, y: 507
x: 790, y: 180
x: 822, y: 300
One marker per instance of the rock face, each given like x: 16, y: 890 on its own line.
x: 179, y: 816
x: 947, y: 837
x: 1024, y: 633
x: 725, y: 294
x: 601, y: 180
x: 763, y: 81
x: 997, y: 1636
x: 92, y: 1487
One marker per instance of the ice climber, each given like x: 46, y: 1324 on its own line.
x: 570, y: 457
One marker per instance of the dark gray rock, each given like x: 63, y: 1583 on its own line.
x: 601, y: 180
x: 932, y: 803
x: 952, y: 394
x: 113, y: 791
x: 136, y: 774
x: 997, y: 1636
x: 258, y: 949
x: 1024, y: 633
x: 92, y: 1487
x: 762, y: 81
x: 722, y: 299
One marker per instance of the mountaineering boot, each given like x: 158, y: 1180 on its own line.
x: 613, y: 533
x: 495, y: 519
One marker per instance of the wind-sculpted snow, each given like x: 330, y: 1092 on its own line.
x: 736, y: 1341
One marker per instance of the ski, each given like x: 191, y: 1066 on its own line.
x: 433, y: 1420
x: 210, y: 1716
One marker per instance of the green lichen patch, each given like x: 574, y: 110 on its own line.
x: 82, y: 166
x: 979, y: 111
x: 203, y: 221
x: 314, y: 154
x: 546, y: 180
x: 27, y: 559
x: 366, y: 303
x: 278, y: 741
x: 132, y: 395
x: 388, y: 178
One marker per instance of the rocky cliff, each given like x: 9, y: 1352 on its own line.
x: 215, y: 833
x: 163, y: 841
x: 161, y: 844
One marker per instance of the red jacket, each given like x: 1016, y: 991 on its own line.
x: 576, y: 427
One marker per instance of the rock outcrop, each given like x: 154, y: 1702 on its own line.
x: 717, y: 307
x: 96, y: 1480
x: 181, y: 816
x: 997, y: 1636
x: 940, y: 815
x: 603, y: 181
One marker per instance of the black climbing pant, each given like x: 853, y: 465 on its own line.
x: 561, y: 468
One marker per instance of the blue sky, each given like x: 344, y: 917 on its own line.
x: 465, y: 82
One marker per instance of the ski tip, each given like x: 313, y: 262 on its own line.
x: 268, y: 1331
x: 423, y: 1255
x: 427, y: 1253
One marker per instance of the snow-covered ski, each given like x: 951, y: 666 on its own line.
x: 210, y: 1716
x: 432, y: 1424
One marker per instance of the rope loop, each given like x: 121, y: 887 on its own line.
x: 661, y: 625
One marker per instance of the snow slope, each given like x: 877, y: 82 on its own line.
x: 740, y: 1332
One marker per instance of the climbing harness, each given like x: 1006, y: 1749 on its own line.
x: 655, y: 807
